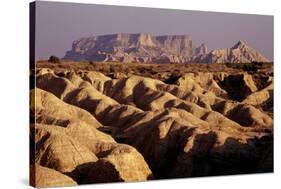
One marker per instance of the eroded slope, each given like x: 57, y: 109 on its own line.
x: 127, y: 126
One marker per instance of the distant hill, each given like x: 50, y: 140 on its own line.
x: 145, y: 48
x: 239, y: 53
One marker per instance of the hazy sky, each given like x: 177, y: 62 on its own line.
x: 59, y: 24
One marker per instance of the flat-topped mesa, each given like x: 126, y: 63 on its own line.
x: 137, y: 47
x: 184, y: 39
x: 138, y: 39
x: 144, y: 48
x: 180, y: 45
x: 144, y: 39
x: 105, y: 43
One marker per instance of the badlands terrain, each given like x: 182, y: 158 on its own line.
x: 126, y: 122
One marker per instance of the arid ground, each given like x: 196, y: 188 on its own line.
x: 114, y: 122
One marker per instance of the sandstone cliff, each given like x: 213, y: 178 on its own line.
x: 145, y: 48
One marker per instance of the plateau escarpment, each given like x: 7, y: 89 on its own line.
x: 145, y: 48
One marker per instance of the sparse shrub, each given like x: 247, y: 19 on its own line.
x: 54, y: 59
x: 142, y: 70
x: 88, y: 68
x: 244, y: 66
x: 104, y: 68
x: 126, y: 70
x: 152, y: 72
x: 172, y: 79
x: 111, y: 69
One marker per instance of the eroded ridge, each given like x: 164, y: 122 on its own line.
x: 91, y: 128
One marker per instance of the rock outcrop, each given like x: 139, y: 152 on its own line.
x: 46, y: 177
x: 145, y: 48
x: 120, y: 164
x: 72, y: 145
x: 239, y: 53
x: 59, y: 151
